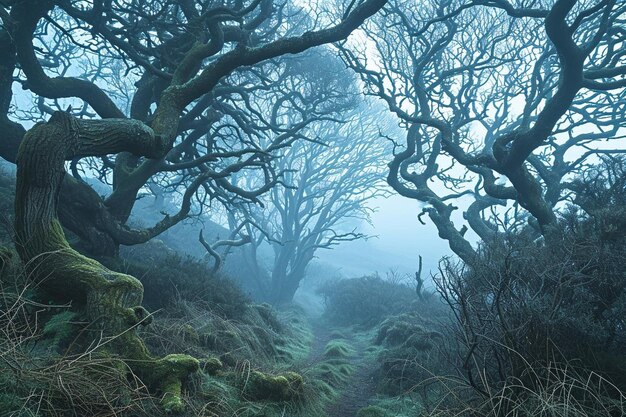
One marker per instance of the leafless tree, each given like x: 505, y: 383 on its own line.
x: 500, y: 100
x: 328, y: 182
x: 186, y: 69
x: 183, y: 54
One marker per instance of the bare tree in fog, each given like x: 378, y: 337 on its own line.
x: 499, y: 101
x: 187, y: 56
x: 328, y: 177
x: 322, y: 203
x: 187, y: 70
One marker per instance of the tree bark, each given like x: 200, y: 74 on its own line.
x: 284, y: 287
x: 109, y: 300
x: 285, y: 283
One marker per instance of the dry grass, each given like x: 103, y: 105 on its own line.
x: 552, y: 390
x: 192, y: 327
x: 36, y: 381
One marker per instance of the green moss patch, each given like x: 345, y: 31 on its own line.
x: 284, y: 387
x: 337, y: 349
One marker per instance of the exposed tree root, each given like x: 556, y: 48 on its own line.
x: 109, y: 300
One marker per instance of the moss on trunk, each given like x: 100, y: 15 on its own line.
x: 110, y: 300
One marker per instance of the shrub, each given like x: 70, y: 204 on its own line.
x: 562, y: 302
x: 530, y: 310
x: 167, y: 277
x: 365, y: 301
x: 410, y: 354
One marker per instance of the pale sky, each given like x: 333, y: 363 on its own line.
x: 400, y: 239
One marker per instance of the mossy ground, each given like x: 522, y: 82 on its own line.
x: 390, y: 359
x: 252, y: 360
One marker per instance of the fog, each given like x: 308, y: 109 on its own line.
x: 396, y: 240
x: 288, y: 208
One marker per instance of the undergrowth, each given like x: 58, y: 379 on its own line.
x: 251, y: 357
x: 365, y: 301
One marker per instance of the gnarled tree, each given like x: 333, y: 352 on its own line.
x: 110, y: 301
x: 181, y: 52
x: 185, y: 58
x: 499, y: 101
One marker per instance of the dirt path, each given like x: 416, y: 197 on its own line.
x: 359, y: 390
x: 321, y: 336
x: 361, y: 387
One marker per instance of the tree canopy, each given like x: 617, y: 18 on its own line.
x: 500, y: 100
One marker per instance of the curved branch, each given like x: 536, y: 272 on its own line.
x: 212, y: 249
x: 109, y: 300
x: 26, y: 14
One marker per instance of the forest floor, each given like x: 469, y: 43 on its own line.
x: 360, y: 388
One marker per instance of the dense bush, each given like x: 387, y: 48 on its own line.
x: 365, y: 301
x: 168, y: 277
x: 410, y: 352
x: 532, y: 312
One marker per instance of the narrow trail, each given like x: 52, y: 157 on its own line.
x: 359, y: 390
x: 361, y: 387
x: 321, y: 336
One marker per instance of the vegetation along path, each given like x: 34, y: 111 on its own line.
x: 360, y: 387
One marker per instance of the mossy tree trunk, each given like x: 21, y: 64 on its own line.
x: 110, y: 300
x: 289, y: 271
